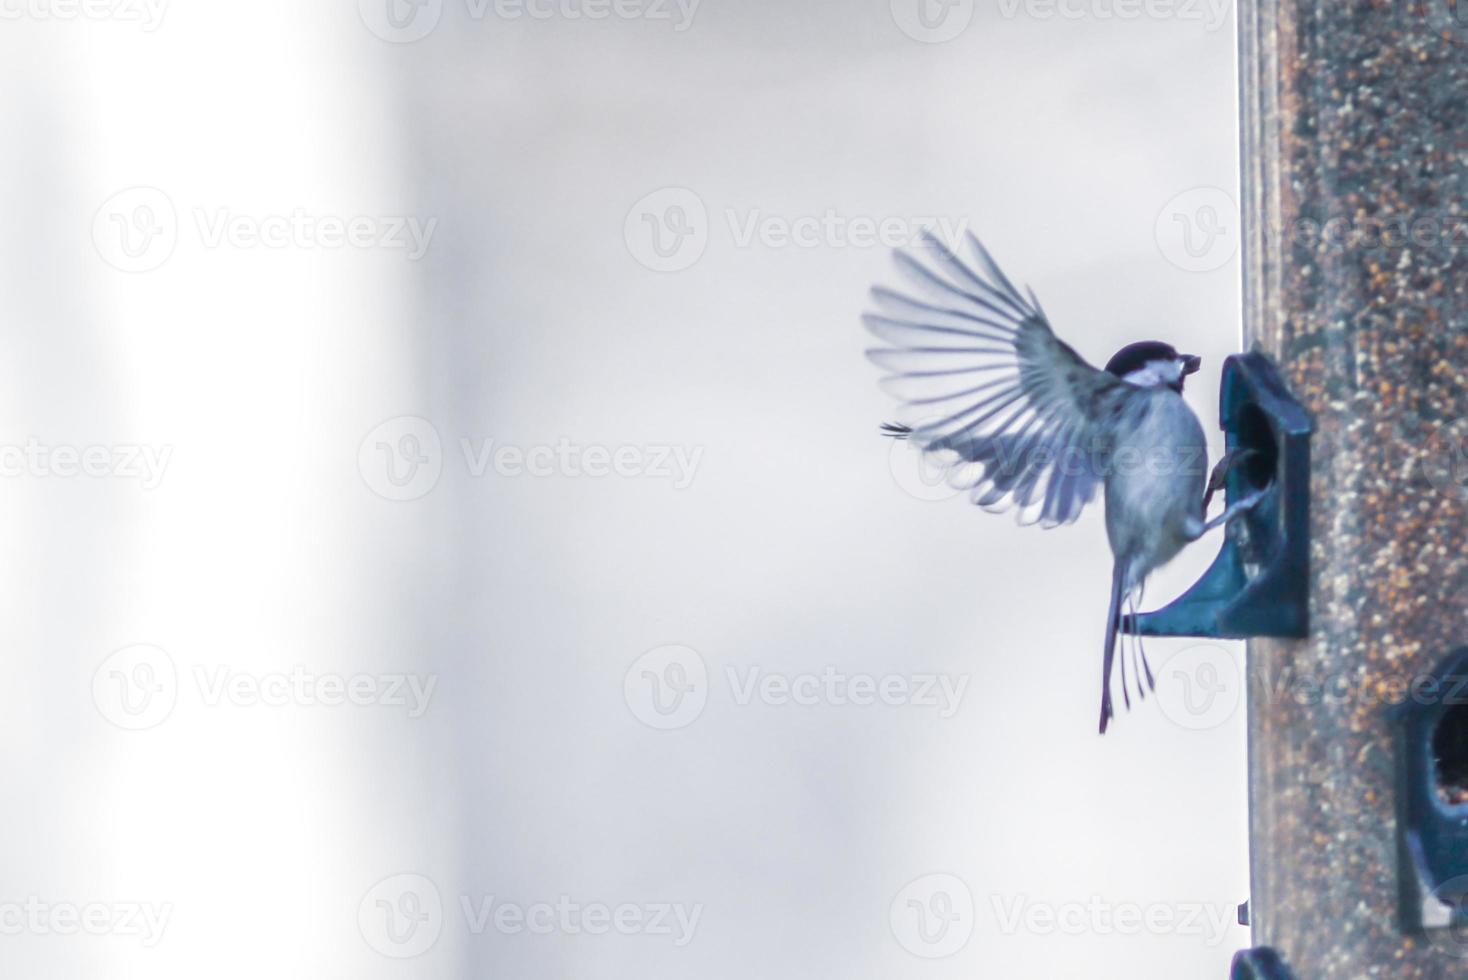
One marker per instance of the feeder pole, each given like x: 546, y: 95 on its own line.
x: 1355, y: 282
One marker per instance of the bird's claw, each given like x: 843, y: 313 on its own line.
x: 1219, y: 477
x: 1235, y: 509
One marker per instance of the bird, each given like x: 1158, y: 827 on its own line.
x: 1021, y: 421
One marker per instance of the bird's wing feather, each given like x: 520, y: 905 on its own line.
x: 988, y: 388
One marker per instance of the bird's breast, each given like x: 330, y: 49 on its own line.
x: 1155, y: 475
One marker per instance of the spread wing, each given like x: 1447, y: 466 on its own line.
x: 987, y: 388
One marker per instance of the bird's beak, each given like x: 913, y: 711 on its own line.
x: 1191, y: 363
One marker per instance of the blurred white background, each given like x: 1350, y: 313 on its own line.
x: 328, y: 658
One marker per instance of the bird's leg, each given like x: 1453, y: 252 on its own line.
x: 1131, y: 602
x: 1151, y: 684
x: 1131, y: 606
x: 1125, y: 697
x: 1136, y: 603
x: 1234, y: 510
x: 1113, y: 626
x: 1220, y: 473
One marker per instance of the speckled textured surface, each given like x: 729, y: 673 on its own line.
x: 1356, y: 281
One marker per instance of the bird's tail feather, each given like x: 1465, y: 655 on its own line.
x: 896, y: 430
x: 1113, y: 623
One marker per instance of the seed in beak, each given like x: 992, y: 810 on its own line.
x: 1191, y: 363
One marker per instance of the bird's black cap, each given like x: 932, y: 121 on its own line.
x: 1133, y: 357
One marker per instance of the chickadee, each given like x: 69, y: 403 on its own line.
x: 1019, y: 419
